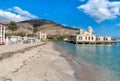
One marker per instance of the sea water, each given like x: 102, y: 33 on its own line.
x: 104, y: 57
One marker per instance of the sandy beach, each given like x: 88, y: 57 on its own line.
x: 34, y: 62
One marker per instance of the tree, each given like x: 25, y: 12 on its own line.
x: 35, y: 29
x: 12, y: 26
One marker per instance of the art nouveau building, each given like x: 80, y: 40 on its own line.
x: 88, y: 36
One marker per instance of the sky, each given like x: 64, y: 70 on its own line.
x: 102, y: 15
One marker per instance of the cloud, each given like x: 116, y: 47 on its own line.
x: 101, y: 10
x: 16, y: 14
x: 64, y: 24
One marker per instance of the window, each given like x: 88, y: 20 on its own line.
x: 106, y: 39
x: 80, y: 38
x: 92, y: 38
x: 86, y: 38
x: 89, y: 38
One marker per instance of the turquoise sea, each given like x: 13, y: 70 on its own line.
x: 104, y: 57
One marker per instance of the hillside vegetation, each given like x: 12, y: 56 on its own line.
x: 51, y: 28
x: 31, y: 27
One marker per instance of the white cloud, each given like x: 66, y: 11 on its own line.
x: 16, y: 14
x: 64, y: 24
x: 101, y: 10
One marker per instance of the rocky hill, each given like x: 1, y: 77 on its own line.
x: 45, y: 26
x: 49, y: 27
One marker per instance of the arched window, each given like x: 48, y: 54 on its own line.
x: 86, y: 38
x: 106, y: 39
x: 89, y: 38
x: 92, y: 38
x: 80, y: 38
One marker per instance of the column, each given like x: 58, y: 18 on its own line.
x: 0, y: 34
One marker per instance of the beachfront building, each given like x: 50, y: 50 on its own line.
x: 21, y: 40
x: 88, y: 37
x: 2, y: 34
x: 102, y: 38
x: 42, y: 36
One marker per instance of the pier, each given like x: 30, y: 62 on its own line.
x: 96, y: 42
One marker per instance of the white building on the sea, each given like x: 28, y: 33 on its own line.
x: 88, y: 36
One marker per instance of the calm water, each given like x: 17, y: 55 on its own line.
x: 106, y: 57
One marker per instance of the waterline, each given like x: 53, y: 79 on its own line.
x: 104, y: 58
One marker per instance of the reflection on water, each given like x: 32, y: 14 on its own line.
x: 104, y: 57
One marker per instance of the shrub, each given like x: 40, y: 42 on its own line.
x: 12, y: 26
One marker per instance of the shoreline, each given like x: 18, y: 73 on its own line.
x: 84, y: 71
x: 8, y: 54
x: 45, y: 62
x: 37, y: 63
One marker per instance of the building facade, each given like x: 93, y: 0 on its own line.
x: 2, y: 34
x: 43, y: 36
x: 88, y: 36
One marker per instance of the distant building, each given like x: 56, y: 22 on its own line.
x: 88, y: 36
x: 21, y: 40
x: 43, y: 36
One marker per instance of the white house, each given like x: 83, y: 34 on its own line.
x: 102, y: 38
x: 88, y: 36
x: 43, y: 36
x: 21, y: 40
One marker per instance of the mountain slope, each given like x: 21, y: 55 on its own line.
x: 49, y: 27
x: 40, y: 25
